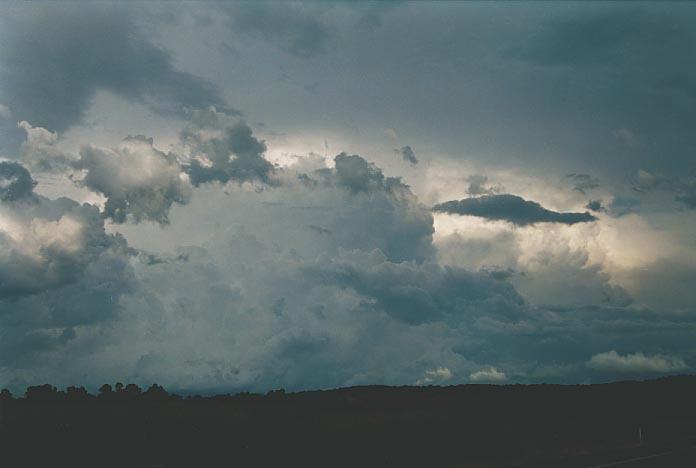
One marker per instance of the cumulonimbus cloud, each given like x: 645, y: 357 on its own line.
x: 510, y: 208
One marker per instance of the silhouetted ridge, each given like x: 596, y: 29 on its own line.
x: 487, y: 425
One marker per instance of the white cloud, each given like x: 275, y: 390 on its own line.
x: 40, y: 151
x: 5, y: 112
x: 489, y: 374
x: 440, y: 374
x: 139, y: 181
x: 612, y: 361
x: 626, y: 136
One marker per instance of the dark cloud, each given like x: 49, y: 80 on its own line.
x: 223, y: 149
x: 510, y: 208
x: 379, y: 212
x: 55, y: 59
x: 50, y: 244
x: 415, y: 294
x: 61, y: 275
x: 598, y: 37
x: 622, y: 205
x: 595, y: 205
x: 683, y: 188
x: 139, y: 181
x: 289, y: 26
x: 644, y: 182
x: 356, y: 174
x: 583, y: 182
x: 688, y: 197
x: 406, y: 152
x: 15, y: 182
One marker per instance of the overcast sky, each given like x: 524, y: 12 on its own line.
x: 235, y: 196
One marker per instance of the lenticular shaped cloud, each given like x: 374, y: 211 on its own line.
x: 510, y: 208
x: 137, y: 179
x: 224, y: 148
x: 636, y: 363
x: 15, y: 182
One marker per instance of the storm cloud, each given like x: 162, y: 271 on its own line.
x: 294, y: 246
x: 55, y: 61
x: 223, y: 148
x: 407, y: 154
x: 510, y: 208
x: 15, y: 182
x: 288, y: 26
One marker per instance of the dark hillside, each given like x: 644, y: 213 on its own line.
x: 468, y: 425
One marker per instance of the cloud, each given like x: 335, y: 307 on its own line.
x: 645, y: 181
x: 510, y: 208
x: 595, y: 205
x: 40, y: 150
x: 622, y: 205
x: 242, y: 293
x: 223, y: 148
x: 489, y: 374
x: 415, y: 294
x: 612, y: 361
x: 139, y: 181
x: 583, y: 182
x: 626, y: 136
x: 407, y: 154
x: 478, y: 185
x: 440, y: 374
x: 357, y: 174
x: 60, y: 273
x: 55, y: 59
x: 688, y: 195
x: 16, y: 182
x: 597, y: 38
x: 683, y: 188
x: 46, y: 243
x: 292, y: 28
x: 5, y: 112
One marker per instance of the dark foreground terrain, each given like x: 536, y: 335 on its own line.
x: 458, y: 426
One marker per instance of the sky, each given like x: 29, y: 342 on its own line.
x: 243, y: 196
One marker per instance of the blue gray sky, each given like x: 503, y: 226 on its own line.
x: 224, y: 196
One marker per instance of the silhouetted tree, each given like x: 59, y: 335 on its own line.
x: 133, y: 390
x: 5, y: 394
x: 105, y: 390
x: 119, y: 387
x: 41, y: 392
x: 77, y: 393
x: 277, y: 393
x: 156, y: 391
